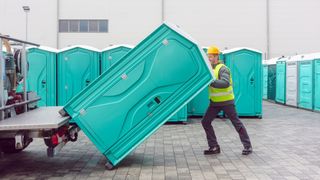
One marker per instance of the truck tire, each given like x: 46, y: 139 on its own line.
x: 8, y: 146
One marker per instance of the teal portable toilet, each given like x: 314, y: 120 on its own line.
x: 130, y: 101
x: 265, y: 79
x: 281, y: 80
x: 180, y: 116
x: 77, y: 67
x: 112, y: 54
x: 292, y: 80
x: 272, y: 75
x: 306, y: 81
x: 317, y: 82
x: 199, y: 104
x: 246, y: 69
x: 41, y: 77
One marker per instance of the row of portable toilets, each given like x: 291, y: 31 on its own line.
x: 58, y: 75
x: 293, y: 81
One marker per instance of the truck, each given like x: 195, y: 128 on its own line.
x: 20, y: 118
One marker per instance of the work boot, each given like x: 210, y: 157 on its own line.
x: 212, y: 150
x: 247, y: 150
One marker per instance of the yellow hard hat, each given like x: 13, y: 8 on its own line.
x: 213, y: 50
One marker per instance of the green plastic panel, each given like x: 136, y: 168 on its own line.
x: 317, y: 85
x: 138, y: 94
x: 180, y: 116
x: 77, y: 67
x: 265, y: 81
x: 281, y: 82
x: 271, y: 88
x: 246, y: 70
x: 199, y: 105
x: 41, y: 76
x: 111, y: 55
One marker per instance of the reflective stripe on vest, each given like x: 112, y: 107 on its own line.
x: 221, y: 94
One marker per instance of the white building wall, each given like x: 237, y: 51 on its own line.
x: 42, y: 20
x: 129, y: 21
x: 294, y: 24
x: 227, y: 23
x: 295, y: 27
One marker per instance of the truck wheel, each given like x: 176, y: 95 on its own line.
x: 8, y: 146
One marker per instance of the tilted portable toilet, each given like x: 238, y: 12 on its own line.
x: 130, y: 101
x: 317, y: 83
x: 199, y: 104
x: 281, y: 80
x: 292, y: 80
x: 265, y: 79
x: 41, y: 77
x: 113, y: 54
x: 246, y: 69
x: 77, y: 67
x: 272, y: 75
x: 306, y: 81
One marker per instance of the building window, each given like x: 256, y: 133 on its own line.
x: 83, y: 26
x: 93, y: 26
x: 74, y: 26
x: 103, y: 26
x: 63, y: 26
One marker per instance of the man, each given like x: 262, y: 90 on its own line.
x: 222, y: 98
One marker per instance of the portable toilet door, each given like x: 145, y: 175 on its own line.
x: 306, y: 81
x: 265, y: 80
x: 281, y: 80
x: 77, y: 67
x: 292, y: 81
x: 246, y: 69
x: 112, y: 54
x: 317, y: 83
x: 272, y: 75
x: 41, y: 77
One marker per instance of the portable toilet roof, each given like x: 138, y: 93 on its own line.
x: 240, y: 48
x: 45, y: 48
x: 273, y: 60
x: 311, y: 56
x: 117, y: 46
x: 80, y: 46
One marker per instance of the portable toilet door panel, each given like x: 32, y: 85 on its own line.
x: 180, y: 116
x: 265, y: 81
x: 246, y: 69
x: 292, y: 81
x: 77, y: 67
x: 112, y: 54
x: 199, y: 105
x: 130, y: 101
x: 281, y: 81
x: 41, y: 77
x: 272, y: 75
x: 272, y: 82
x: 317, y: 84
x: 306, y: 81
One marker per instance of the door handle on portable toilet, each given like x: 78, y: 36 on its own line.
x: 87, y: 82
x: 251, y: 80
x: 154, y: 101
x: 43, y: 82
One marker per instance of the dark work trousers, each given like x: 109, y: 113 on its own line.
x: 231, y: 112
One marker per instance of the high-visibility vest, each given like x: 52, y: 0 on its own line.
x: 221, y: 94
